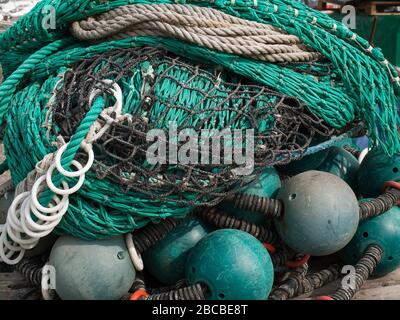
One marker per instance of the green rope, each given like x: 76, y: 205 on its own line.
x: 366, y: 84
x: 75, y: 144
x: 357, y: 85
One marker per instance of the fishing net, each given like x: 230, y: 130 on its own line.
x: 162, y: 88
x: 294, y: 76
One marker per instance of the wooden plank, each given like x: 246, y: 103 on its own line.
x: 373, y: 8
x: 384, y: 288
x: 13, y: 286
x: 376, y: 8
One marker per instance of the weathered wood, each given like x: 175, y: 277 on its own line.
x: 372, y: 8
x: 384, y: 288
x: 377, y: 8
x: 13, y: 286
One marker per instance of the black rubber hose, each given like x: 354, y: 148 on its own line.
x: 363, y: 270
x: 31, y: 269
x: 179, y: 285
x: 299, y: 283
x: 195, y: 292
x: 271, y: 208
x: 148, y: 236
x: 282, y: 256
x: 383, y: 203
x: 225, y: 221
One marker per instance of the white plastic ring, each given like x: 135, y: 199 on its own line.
x: 35, y: 191
x: 34, y: 229
x: 135, y: 256
x: 362, y: 155
x: 63, y: 192
x: 6, y: 257
x: 16, y: 237
x: 8, y: 244
x: 12, y: 217
x: 89, y: 150
x: 51, y: 217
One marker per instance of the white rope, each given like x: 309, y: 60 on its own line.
x: 27, y: 220
x: 203, y: 26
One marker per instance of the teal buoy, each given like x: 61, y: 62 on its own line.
x: 383, y: 231
x: 92, y: 270
x: 166, y: 259
x: 342, y: 164
x: 321, y: 213
x: 376, y: 169
x: 267, y: 185
x: 232, y: 264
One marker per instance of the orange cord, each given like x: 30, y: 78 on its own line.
x: 298, y: 263
x: 141, y: 293
x: 271, y: 249
x: 325, y: 298
x: 392, y: 184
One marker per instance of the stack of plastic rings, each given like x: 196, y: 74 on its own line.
x: 27, y: 220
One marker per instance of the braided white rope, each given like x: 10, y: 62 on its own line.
x: 27, y: 220
x: 203, y: 26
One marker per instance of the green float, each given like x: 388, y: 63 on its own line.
x: 342, y: 164
x: 383, y: 231
x: 232, y: 264
x: 92, y: 270
x: 321, y: 213
x: 166, y: 259
x: 376, y: 169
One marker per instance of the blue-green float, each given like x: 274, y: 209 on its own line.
x: 342, y: 164
x: 232, y: 264
x: 321, y: 213
x: 92, y: 270
x: 376, y: 169
x: 266, y: 185
x: 166, y: 259
x: 383, y: 231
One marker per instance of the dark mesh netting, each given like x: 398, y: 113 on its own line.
x: 161, y: 89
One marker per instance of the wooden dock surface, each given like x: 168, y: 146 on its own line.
x: 14, y: 287
x: 384, y: 288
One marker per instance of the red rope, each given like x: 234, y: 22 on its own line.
x: 141, y: 293
x: 298, y: 263
x: 392, y: 184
